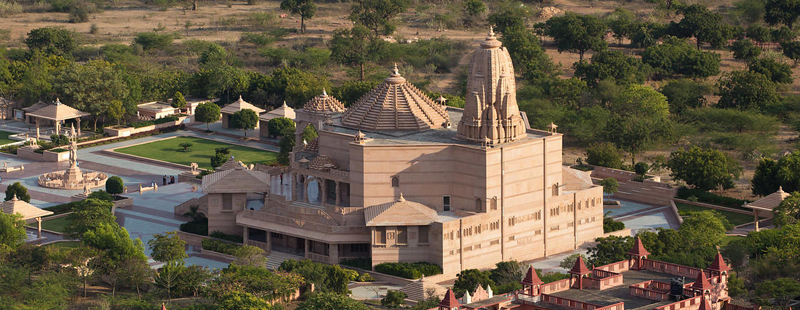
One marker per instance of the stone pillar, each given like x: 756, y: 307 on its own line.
x: 268, y: 239
x: 755, y: 218
x: 58, y: 126
x: 37, y: 128
x: 294, y: 186
x: 305, y: 189
x: 338, y: 194
x: 307, y: 245
x: 333, y: 253
x: 79, y: 126
x: 39, y: 227
x: 245, y: 235
x: 323, y: 196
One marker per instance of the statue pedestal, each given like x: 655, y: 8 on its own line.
x: 73, y: 174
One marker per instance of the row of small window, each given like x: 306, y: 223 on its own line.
x: 469, y: 230
x: 400, y: 234
x: 474, y: 247
x: 587, y: 220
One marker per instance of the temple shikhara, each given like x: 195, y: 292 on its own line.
x: 634, y: 283
x: 399, y: 177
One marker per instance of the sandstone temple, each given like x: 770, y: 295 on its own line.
x: 401, y: 177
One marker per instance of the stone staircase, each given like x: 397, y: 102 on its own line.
x: 274, y: 259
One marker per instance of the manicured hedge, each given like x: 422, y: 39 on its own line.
x: 220, y: 246
x: 610, y: 225
x: 162, y: 120
x: 706, y: 197
x: 63, y: 208
x: 221, y: 235
x: 197, y: 227
x: 409, y: 270
x: 363, y: 263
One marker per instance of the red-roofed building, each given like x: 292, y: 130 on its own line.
x: 701, y: 285
x: 449, y: 302
x: 637, y: 253
x: 531, y: 283
x: 579, y: 271
x: 719, y: 265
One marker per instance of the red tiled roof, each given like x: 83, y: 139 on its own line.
x: 702, y: 283
x: 638, y: 249
x: 449, y: 300
x: 163, y: 307
x: 719, y: 264
x: 531, y: 278
x: 580, y: 267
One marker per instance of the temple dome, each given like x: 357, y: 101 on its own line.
x: 324, y: 104
x: 491, y: 114
x: 395, y: 105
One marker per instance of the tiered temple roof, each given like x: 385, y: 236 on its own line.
x: 395, y: 105
x: 323, y: 104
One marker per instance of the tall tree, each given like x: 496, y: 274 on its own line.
x: 611, y: 65
x: 641, y: 119
x: 781, y: 12
x: 167, y: 247
x: 746, y: 90
x: 788, y: 212
x: 207, y: 112
x: 791, y: 49
x: 305, y: 8
x: 331, y: 301
x: 12, y: 230
x: 469, y: 279
x: 355, y: 46
x: 765, y: 180
x: 528, y: 55
x: 705, y: 26
x: 51, y: 41
x: 90, y: 87
x: 377, y: 14
x: 704, y: 168
x: 683, y: 94
x: 90, y: 214
x: 577, y: 33
x: 18, y: 190
x: 621, y: 22
x: 245, y: 120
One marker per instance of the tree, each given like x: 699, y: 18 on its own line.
x: 610, y: 185
x: 393, y: 299
x: 191, y: 280
x: 782, y: 290
x: 286, y: 145
x: 153, y: 40
x: 51, y: 41
x: 167, y: 247
x: 12, y: 230
x: 788, y: 212
x: 775, y: 71
x: 178, y: 101
x: 645, y: 34
x: 510, y: 14
x: 528, y: 55
x: 744, y: 49
x: 331, y: 301
x: 641, y: 119
x: 277, y: 126
x: 746, y: 90
x: 765, y: 179
x: 781, y: 12
x: 791, y: 49
x: 115, y: 186
x: 305, y: 8
x: 79, y: 260
x: 611, y: 65
x: 245, y: 120
x: 576, y: 33
x: 641, y: 168
x: 507, y: 275
x: 88, y: 87
x: 603, y: 154
x: 218, y: 159
x: 704, y: 25
x: 677, y: 57
x: 570, y: 260
x: 704, y: 168
x: 469, y: 279
x: 474, y: 9
x: 759, y: 34
x: 355, y: 47
x: 87, y: 216
x: 683, y: 94
x: 782, y: 34
x: 186, y: 146
x: 248, y: 255
x: 134, y: 273
x: 377, y: 15
x: 116, y: 110
x: 704, y: 229
x: 609, y: 250
x: 18, y: 190
x: 621, y: 22
x: 167, y: 276
x: 207, y: 112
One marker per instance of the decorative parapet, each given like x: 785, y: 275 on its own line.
x: 652, y: 290
x: 278, y: 219
x: 690, y: 303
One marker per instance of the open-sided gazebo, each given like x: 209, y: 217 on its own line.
x: 28, y: 212
x: 764, y: 206
x: 236, y: 106
x: 57, y: 113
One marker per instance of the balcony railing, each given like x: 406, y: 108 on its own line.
x: 278, y: 219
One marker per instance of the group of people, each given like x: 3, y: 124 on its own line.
x: 171, y: 180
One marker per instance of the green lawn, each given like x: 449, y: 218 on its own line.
x: 735, y: 218
x: 57, y: 224
x: 4, y: 137
x: 728, y: 239
x: 201, y: 152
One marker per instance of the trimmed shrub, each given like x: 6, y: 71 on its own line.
x: 706, y: 197
x: 197, y: 227
x: 363, y: 263
x: 610, y: 225
x: 220, y: 246
x: 409, y: 270
x: 221, y: 235
x: 63, y: 208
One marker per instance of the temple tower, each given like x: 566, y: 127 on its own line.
x: 491, y: 114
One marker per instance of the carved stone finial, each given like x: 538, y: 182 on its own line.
x: 401, y: 199
x: 395, y: 71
